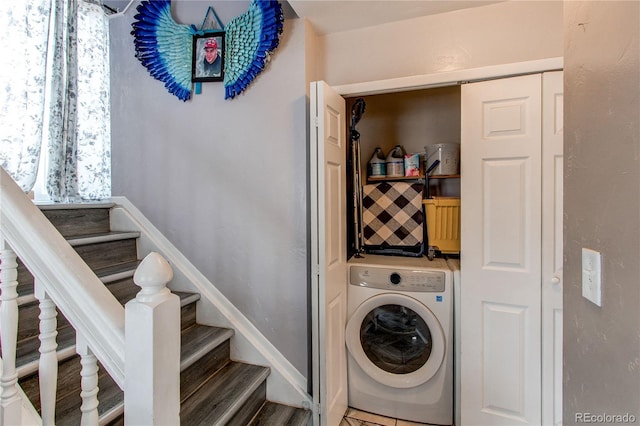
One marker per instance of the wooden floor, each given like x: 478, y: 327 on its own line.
x: 362, y: 418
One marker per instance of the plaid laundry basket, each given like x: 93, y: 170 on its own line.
x: 393, y: 218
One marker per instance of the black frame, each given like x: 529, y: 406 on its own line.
x: 198, y: 46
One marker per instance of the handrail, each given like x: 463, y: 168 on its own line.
x: 70, y: 283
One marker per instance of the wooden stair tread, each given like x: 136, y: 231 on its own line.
x: 118, y: 271
x: 214, y: 390
x: 28, y: 355
x: 110, y: 396
x: 103, y: 237
x: 273, y: 413
x: 223, y: 394
x: 200, y: 339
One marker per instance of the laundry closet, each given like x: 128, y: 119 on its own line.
x: 411, y: 119
x: 508, y: 360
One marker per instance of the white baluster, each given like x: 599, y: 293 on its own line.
x: 152, y: 354
x: 10, y: 401
x: 89, y: 383
x: 48, y: 364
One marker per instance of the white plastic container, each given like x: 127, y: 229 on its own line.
x: 449, y: 156
x: 395, y: 162
x: 377, y: 164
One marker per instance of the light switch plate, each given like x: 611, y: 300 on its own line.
x: 592, y: 276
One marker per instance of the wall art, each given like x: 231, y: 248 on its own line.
x: 166, y: 48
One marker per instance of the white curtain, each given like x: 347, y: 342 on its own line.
x: 54, y: 69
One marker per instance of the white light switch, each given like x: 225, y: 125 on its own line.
x: 592, y: 276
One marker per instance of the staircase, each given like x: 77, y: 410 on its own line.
x: 214, y: 389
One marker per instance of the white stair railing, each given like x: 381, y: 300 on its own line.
x: 10, y: 401
x: 63, y: 279
x: 48, y: 364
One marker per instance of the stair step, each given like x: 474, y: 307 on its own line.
x: 68, y: 398
x: 106, y: 274
x: 116, y: 249
x: 117, y: 272
x: 214, y: 390
x: 86, y: 239
x: 203, y: 351
x: 28, y: 355
x: 222, y: 395
x: 273, y: 413
x: 88, y: 219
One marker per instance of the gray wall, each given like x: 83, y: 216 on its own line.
x: 224, y: 180
x: 602, y: 206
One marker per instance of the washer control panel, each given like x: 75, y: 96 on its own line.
x: 397, y: 279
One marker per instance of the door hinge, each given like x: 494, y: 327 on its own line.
x: 311, y: 406
x: 315, y: 121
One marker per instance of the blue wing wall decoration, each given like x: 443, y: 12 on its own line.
x: 165, y: 47
x: 251, y: 38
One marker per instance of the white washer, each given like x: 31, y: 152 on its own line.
x: 400, y: 338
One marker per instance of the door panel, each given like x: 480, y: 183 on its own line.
x: 328, y: 252
x: 502, y: 216
x: 505, y: 329
x: 500, y: 251
x: 552, y: 254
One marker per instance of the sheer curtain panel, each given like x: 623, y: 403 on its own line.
x: 59, y: 103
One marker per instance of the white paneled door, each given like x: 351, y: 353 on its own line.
x: 501, y: 252
x: 552, y: 172
x: 328, y: 250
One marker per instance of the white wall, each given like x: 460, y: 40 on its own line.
x: 501, y: 33
x: 224, y: 180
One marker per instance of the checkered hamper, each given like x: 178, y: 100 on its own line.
x: 393, y: 219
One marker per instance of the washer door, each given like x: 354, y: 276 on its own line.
x: 396, y: 340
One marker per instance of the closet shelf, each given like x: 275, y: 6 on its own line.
x: 397, y: 178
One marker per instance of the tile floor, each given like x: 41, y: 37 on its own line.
x: 362, y: 418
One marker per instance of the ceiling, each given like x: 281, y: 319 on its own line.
x: 330, y: 16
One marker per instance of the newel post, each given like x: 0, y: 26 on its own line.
x: 152, y: 354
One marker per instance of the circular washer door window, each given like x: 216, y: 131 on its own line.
x: 396, y: 340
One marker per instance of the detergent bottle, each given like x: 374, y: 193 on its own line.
x: 377, y: 164
x: 395, y: 162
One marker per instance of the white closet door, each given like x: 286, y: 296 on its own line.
x: 329, y: 258
x: 552, y: 172
x: 500, y: 253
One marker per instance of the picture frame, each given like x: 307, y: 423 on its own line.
x: 203, y: 68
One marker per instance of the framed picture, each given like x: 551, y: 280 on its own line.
x: 208, y: 57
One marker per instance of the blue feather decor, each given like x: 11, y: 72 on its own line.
x: 251, y: 39
x: 165, y: 47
